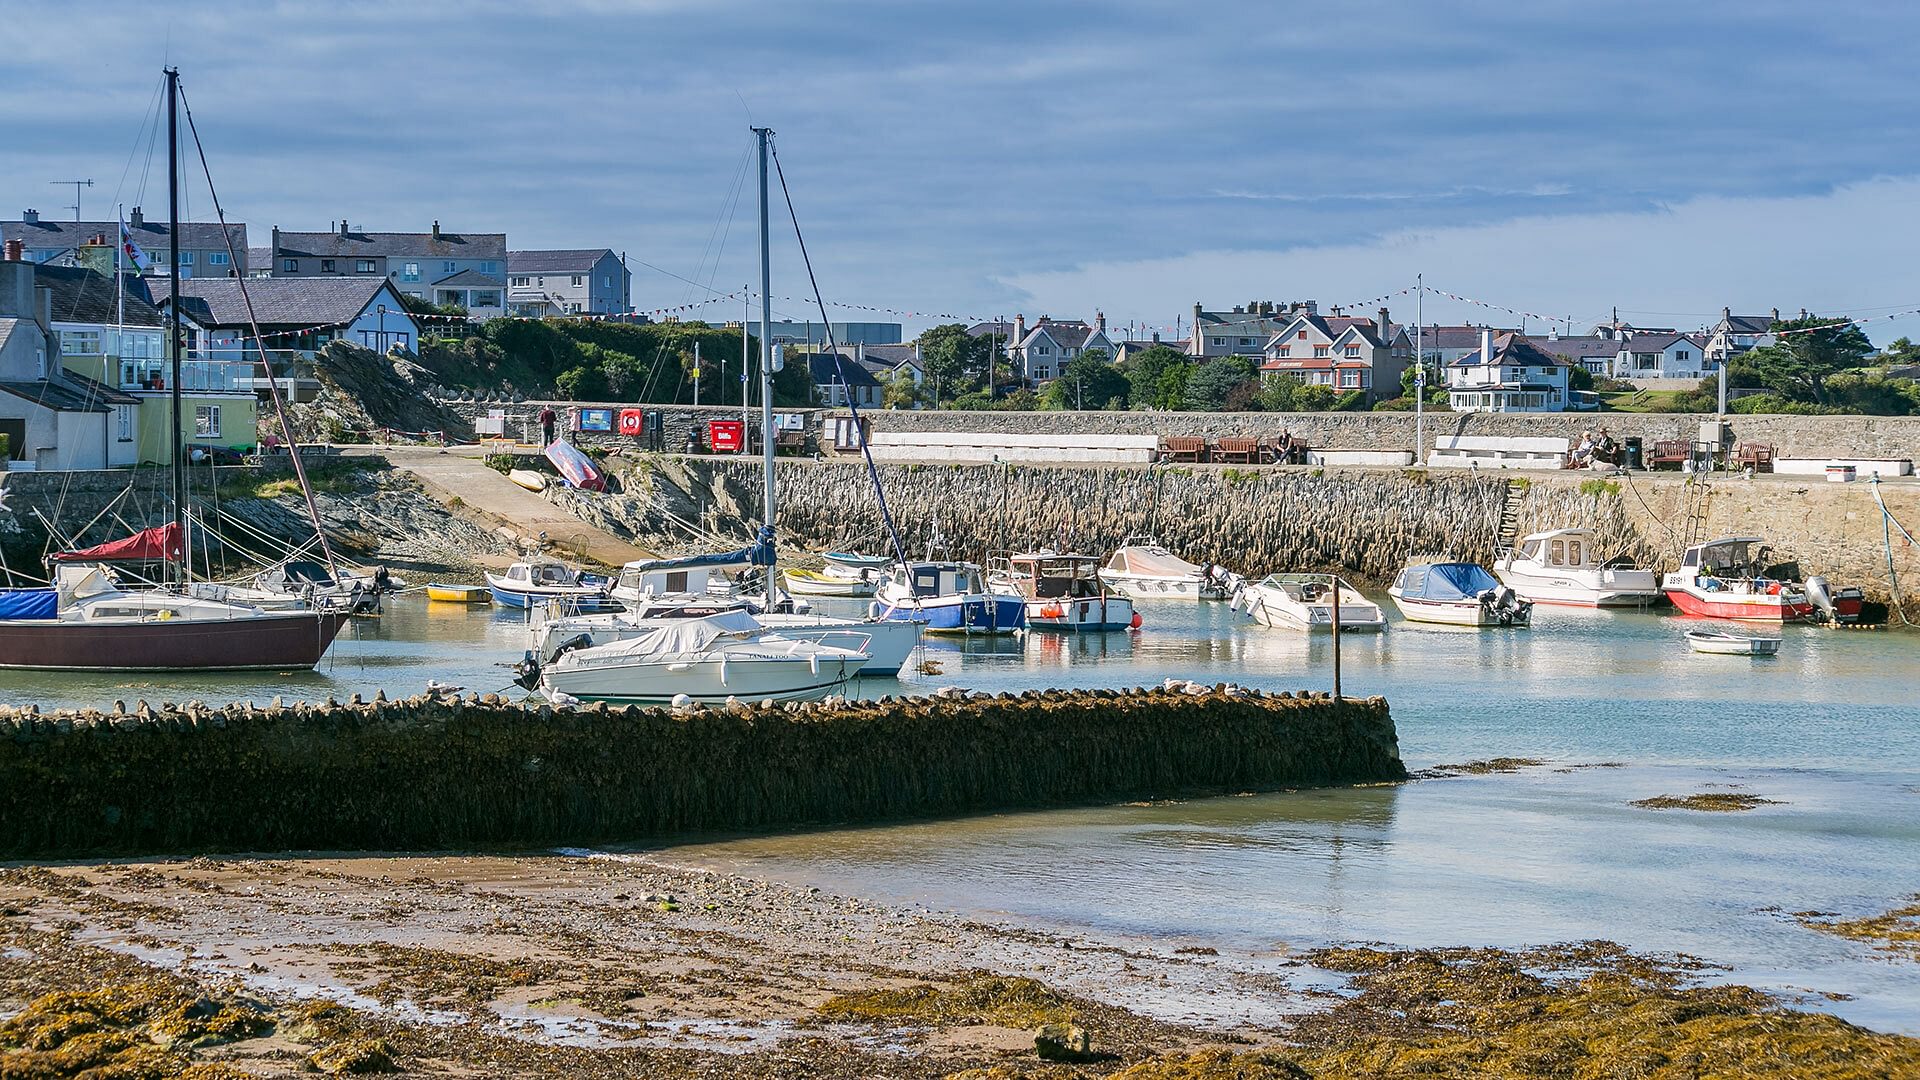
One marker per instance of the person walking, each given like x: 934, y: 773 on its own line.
x: 546, y: 424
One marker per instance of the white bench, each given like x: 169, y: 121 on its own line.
x: 980, y: 448
x: 1363, y: 459
x: 1497, y: 452
x: 1862, y: 467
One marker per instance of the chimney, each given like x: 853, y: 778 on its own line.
x: 1156, y: 337
x: 1776, y: 314
x: 1019, y: 329
x: 343, y: 227
x: 1100, y: 321
x: 274, y: 252
x: 43, y: 307
x: 859, y: 351
x: 136, y: 219
x: 1386, y: 330
x: 16, y: 251
x: 30, y: 217
x: 436, y: 230
x: 1196, y: 313
x: 1486, y: 345
x: 1726, y: 314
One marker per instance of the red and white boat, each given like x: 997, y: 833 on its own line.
x: 1727, y: 579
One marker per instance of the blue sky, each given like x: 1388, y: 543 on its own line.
x: 1045, y: 157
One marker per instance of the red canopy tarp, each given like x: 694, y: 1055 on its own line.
x: 158, y: 544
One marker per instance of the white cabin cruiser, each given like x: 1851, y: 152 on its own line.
x: 1564, y: 567
x: 1143, y: 568
x: 1458, y: 594
x: 1305, y: 602
x: 533, y: 582
x: 707, y: 659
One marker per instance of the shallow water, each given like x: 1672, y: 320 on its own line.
x: 1830, y: 728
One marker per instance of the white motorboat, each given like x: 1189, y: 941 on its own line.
x: 1063, y: 591
x: 850, y: 564
x: 1563, y: 567
x: 1143, y: 568
x: 1458, y: 594
x: 949, y: 598
x: 1725, y: 644
x: 888, y: 644
x: 533, y: 582
x: 706, y: 576
x: 1305, y: 602
x: 708, y: 660
x: 828, y: 583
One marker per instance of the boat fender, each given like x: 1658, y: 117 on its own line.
x: 723, y: 669
x: 1136, y: 621
x: 1051, y: 611
x: 813, y: 662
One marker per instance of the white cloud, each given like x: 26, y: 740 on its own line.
x: 1849, y: 250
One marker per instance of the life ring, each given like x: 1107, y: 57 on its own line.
x: 1051, y: 611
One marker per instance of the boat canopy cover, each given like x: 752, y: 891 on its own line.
x: 677, y: 637
x: 758, y: 553
x: 575, y: 467
x: 158, y: 544
x: 1450, y: 581
x: 1152, y: 562
x: 29, y: 603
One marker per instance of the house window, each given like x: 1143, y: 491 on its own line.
x: 410, y: 272
x: 1042, y: 350
x: 578, y: 281
x: 363, y: 266
x: 606, y: 282
x: 217, y: 258
x: 447, y: 267
x: 1219, y: 341
x: 206, y: 421
x: 326, y: 266
x: 290, y: 266
x: 1322, y: 350
x: 486, y: 299
x: 80, y: 343
x: 1682, y: 355
x: 1245, y: 341
x: 186, y: 258
x: 520, y: 282
x: 1303, y: 335
x: 489, y: 267
x: 1353, y: 350
x: 1350, y: 380
x: 1284, y: 350
x: 123, y: 423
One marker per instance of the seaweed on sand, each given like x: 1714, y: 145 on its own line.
x: 1725, y: 802
x: 132, y: 1029
x: 1897, y: 931
x: 976, y: 998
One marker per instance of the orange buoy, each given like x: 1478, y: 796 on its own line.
x: 1136, y: 620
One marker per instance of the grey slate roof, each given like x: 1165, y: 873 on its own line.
x: 824, y: 370
x: 996, y: 327
x: 1455, y: 337
x: 1749, y: 324
x: 1656, y: 342
x: 471, y: 279
x: 556, y: 261
x: 394, y: 245
x: 296, y: 302
x: 1580, y: 348
x: 1070, y: 334
x: 60, y: 396
x: 88, y: 296
x: 150, y: 235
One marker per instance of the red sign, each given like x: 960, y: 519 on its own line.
x: 633, y: 422
x: 726, y: 436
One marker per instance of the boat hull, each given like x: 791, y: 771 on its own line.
x: 1273, y: 608
x: 1732, y: 645
x: 1468, y: 612
x: 1741, y: 607
x: 1143, y: 587
x: 888, y: 644
x: 1091, y: 614
x: 974, y: 614
x: 582, y: 600
x: 272, y: 642
x: 459, y: 594
x: 756, y: 680
x: 1627, y: 588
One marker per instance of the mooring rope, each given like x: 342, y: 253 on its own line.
x: 1887, y: 524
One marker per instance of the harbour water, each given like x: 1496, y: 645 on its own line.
x: 1613, y: 704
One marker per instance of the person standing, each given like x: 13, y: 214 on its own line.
x: 546, y: 424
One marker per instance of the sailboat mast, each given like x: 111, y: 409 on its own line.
x: 766, y: 362
x: 178, y: 453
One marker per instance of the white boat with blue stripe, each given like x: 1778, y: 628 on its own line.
x: 551, y: 582
x: 950, y: 598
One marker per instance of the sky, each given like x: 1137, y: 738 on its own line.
x: 1042, y: 157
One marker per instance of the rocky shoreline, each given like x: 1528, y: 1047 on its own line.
x: 596, y: 964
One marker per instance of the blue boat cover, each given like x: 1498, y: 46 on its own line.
x: 29, y: 604
x: 758, y: 553
x: 1453, y: 581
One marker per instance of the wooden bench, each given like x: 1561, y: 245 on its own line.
x: 1674, y: 452
x: 1183, y: 448
x: 1238, y: 450
x: 1757, y: 456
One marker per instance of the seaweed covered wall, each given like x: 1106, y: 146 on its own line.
x: 428, y: 773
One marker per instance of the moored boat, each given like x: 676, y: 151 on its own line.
x: 707, y: 659
x: 1305, y: 602
x: 1063, y: 591
x: 1142, y: 567
x: 1729, y: 578
x: 950, y: 598
x: 1563, y: 567
x: 1725, y: 644
x: 819, y: 583
x: 549, y: 581
x: 458, y: 594
x: 1457, y: 594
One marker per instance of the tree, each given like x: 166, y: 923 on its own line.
x: 1900, y: 353
x: 1805, y: 353
x: 951, y: 357
x: 1144, y: 375
x: 1089, y: 381
x: 901, y: 391
x: 1211, y: 382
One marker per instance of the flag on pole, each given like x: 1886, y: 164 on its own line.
x: 140, y: 259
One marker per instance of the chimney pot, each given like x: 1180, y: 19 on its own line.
x: 30, y: 217
x: 1776, y: 314
x: 138, y: 219
x: 436, y: 230
x: 343, y: 227
x: 16, y: 251
x: 1100, y: 321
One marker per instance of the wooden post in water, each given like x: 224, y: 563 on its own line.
x: 1336, y: 636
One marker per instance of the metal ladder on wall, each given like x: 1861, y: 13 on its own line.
x: 1510, y: 501
x: 1699, y: 493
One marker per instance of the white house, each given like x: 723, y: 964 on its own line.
x: 297, y: 314
x: 1343, y: 352
x: 1735, y: 334
x: 1508, y: 373
x: 1042, y: 353
x: 53, y: 418
x: 1663, y: 356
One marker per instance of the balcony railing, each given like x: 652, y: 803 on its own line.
x: 195, y: 375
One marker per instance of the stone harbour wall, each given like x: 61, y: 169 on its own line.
x: 435, y: 773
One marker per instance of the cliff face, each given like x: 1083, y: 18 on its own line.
x: 362, y: 392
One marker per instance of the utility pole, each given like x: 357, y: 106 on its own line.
x: 696, y: 374
x: 1419, y: 379
x: 77, y: 185
x: 766, y: 360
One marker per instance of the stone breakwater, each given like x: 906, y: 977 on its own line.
x: 432, y: 773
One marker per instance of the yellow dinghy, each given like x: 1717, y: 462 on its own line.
x: 459, y: 594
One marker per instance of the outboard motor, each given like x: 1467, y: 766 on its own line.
x: 526, y: 673
x: 1821, y: 597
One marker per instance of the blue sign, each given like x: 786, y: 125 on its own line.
x: 596, y: 419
